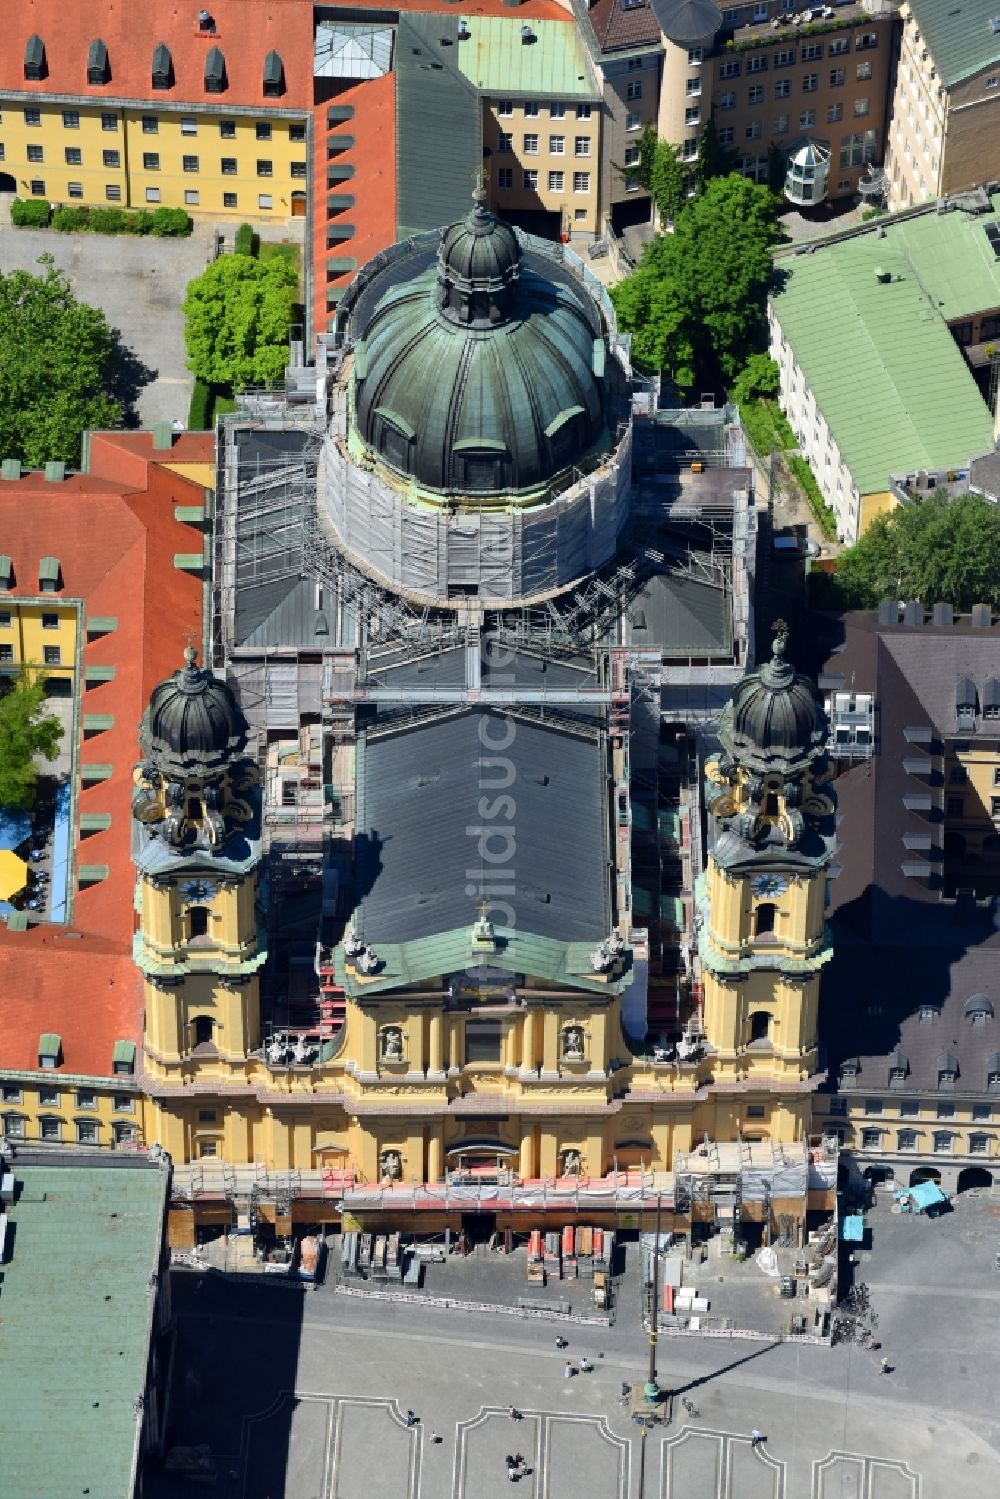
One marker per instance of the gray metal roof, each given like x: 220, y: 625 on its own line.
x: 425, y: 791
x: 683, y: 617
x: 439, y: 145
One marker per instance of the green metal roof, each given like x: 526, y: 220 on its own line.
x: 959, y: 36
x: 49, y: 1044
x: 519, y: 951
x: 877, y: 354
x: 48, y: 570
x: 124, y: 1052
x: 74, y: 1330
x: 496, y: 60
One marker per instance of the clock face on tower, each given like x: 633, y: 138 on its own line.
x: 198, y: 890
x: 768, y: 884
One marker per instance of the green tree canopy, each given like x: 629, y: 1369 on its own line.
x: 238, y: 318
x: 58, y: 362
x: 703, y: 288
x: 25, y: 731
x: 712, y: 159
x: 661, y: 172
x: 760, y: 376
x: 941, y: 550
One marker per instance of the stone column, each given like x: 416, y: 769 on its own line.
x: 526, y: 1164
x: 435, y: 1062
x: 550, y: 1043
x: 528, y: 1062
x: 435, y: 1169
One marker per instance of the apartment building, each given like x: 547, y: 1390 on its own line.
x: 944, y: 126
x: 207, y: 111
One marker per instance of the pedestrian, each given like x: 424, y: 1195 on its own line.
x: 515, y: 1414
x: 435, y: 1438
x: 569, y: 1371
x: 561, y: 1342
x: 511, y: 1473
x: 586, y: 1365
x: 411, y: 1419
x: 883, y: 1366
x: 756, y: 1438
x: 519, y: 1461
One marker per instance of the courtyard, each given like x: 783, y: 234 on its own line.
x: 304, y: 1392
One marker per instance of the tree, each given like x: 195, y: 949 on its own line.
x: 760, y: 376
x: 647, y: 306
x: 58, y: 361
x: 939, y: 550
x: 660, y: 171
x: 238, y: 317
x: 25, y: 731
x: 712, y: 159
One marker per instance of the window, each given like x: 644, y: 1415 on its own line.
x: 531, y: 181
x: 942, y: 1142
x: 203, y: 1025
x: 764, y: 918
x: 583, y: 111
x: 729, y: 70
x: 981, y: 1111
x: 264, y: 200
x: 834, y: 113
x: 873, y: 1105
x: 109, y: 122
x: 12, y: 1093
x: 783, y: 88
x: 227, y: 129
x: 52, y: 655
x: 753, y: 131
x: 208, y: 1149
x: 298, y: 169
x: 230, y: 200
x: 727, y: 101
x: 633, y: 90
x: 263, y: 130
x: 229, y: 166
x: 906, y: 1139
x: 995, y: 807
x: 692, y: 116
x: 206, y: 1116
x: 632, y: 155
x: 581, y: 182
x: 557, y: 182
x: 13, y: 1125
x: 946, y: 1111
x: 530, y: 110
x: 150, y: 125
x: 755, y: 94
x: 49, y: 1098
x: 113, y: 192
x: 956, y: 806
x: 152, y: 195
x: 505, y: 141
x: 726, y: 135
x: 151, y: 161
x: 296, y: 132
x: 693, y: 87
x: 633, y: 119
x: 694, y: 57
x: 836, y: 77
x: 189, y: 163
x: 864, y: 70
x: 992, y: 81
x: 810, y: 83
x: 531, y: 145
x: 112, y: 158
x: 811, y: 51
x: 71, y: 119
x: 51, y: 1129
x: 125, y: 1134
x: 505, y: 179
x: 482, y: 1041
x: 86, y: 1098
x: 862, y: 106
x: 979, y: 1144
x: 838, y: 1106
x: 785, y: 58
x: 124, y: 1104
x: 86, y: 1131
x: 189, y: 125
x: 36, y: 154
x: 32, y: 116
x: 760, y: 1026
x: 909, y: 1108
x: 866, y: 41
x: 757, y: 63
x: 838, y: 47
x: 505, y: 108
x: 755, y: 1111
x: 807, y: 119
x: 192, y: 197
x: 197, y: 921
x: 264, y: 168
x: 781, y: 125
x: 74, y: 156
x: 557, y: 144
x: 957, y: 774
x: 581, y: 145
x: 689, y: 152
x: 557, y: 111
x: 6, y: 653
x: 871, y: 1139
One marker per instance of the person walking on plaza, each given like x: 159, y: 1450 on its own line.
x: 756, y: 1437
x: 883, y: 1366
x: 569, y: 1371
x: 586, y: 1365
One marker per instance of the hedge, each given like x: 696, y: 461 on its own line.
x: 246, y: 242
x: 825, y: 518
x: 31, y: 213
x: 160, y: 222
x: 200, y: 409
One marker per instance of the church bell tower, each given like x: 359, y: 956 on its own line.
x: 763, y: 939
x: 196, y: 847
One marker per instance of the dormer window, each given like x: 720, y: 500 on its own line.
x: 966, y: 703
x: 993, y: 1073
x: 215, y: 72
x: 49, y: 1051
x: 849, y: 1070
x: 163, y: 68
x: 98, y: 69
x: 979, y: 1009
x: 898, y: 1067
x: 34, y: 60
x: 123, y: 1062
x: 947, y: 1071
x: 927, y: 1013
x: 991, y: 698
x: 274, y: 76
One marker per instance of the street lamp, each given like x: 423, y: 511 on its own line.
x: 651, y: 1390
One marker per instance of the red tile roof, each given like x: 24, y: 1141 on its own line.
x: 527, y: 10
x: 373, y: 186
x: 115, y: 535
x: 246, y: 30
x: 616, y: 26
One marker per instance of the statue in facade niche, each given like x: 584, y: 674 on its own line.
x: 392, y: 1044
x: 573, y: 1043
x: 571, y: 1163
x: 390, y: 1166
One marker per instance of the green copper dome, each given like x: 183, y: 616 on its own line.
x: 482, y: 373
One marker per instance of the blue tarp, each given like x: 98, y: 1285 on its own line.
x: 852, y: 1229
x: 926, y: 1195
x: 14, y: 827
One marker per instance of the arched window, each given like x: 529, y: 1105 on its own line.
x: 764, y: 917
x: 197, y: 921
x: 760, y: 1026
x: 203, y: 1027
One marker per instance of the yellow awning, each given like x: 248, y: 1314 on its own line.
x: 13, y: 874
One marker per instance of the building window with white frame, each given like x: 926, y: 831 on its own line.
x: 557, y: 182
x: 581, y: 182
x: 531, y: 181
x: 633, y: 120
x: 557, y: 145
x: 505, y: 178
x: 581, y: 145
x: 530, y: 145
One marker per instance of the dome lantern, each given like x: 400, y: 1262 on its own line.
x: 478, y: 264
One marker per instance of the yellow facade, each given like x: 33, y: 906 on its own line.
x: 545, y: 159
x: 223, y: 162
x: 89, y: 1111
x: 39, y: 632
